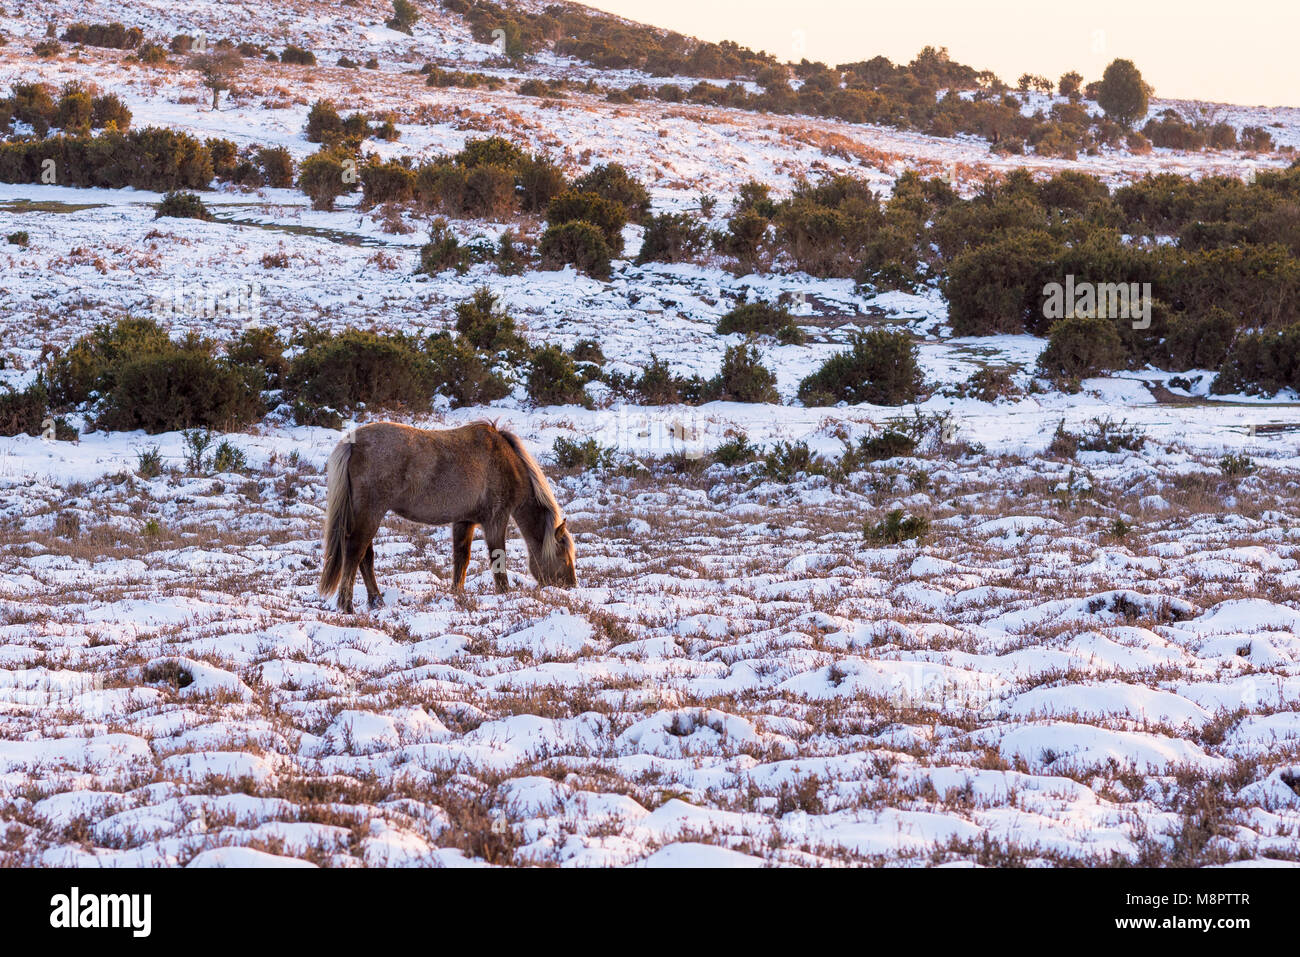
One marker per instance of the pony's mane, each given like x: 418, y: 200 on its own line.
x: 541, y: 488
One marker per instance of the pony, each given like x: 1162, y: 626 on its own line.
x: 475, y: 475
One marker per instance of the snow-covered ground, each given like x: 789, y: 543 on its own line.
x: 741, y: 677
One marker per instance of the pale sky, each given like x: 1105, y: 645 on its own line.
x: 1245, y: 52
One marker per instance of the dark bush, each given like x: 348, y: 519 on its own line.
x: 261, y: 348
x: 554, y: 380
x: 358, y: 367
x: 180, y: 388
x: 386, y: 182
x: 323, y: 177
x: 613, y: 182
x: 1082, y: 346
x: 672, y: 237
x: 297, y: 55
x: 482, y: 322
x: 997, y: 287
x: 577, y: 243
x: 1261, y: 363
x: 324, y: 125
x: 462, y: 373
x: 111, y: 35
x: 761, y: 318
x: 182, y: 206
x: 23, y: 412
x: 151, y: 159
x: 879, y: 367
x: 276, y: 166
x: 743, y: 378
x: 608, y: 216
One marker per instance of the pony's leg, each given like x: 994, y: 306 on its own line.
x: 354, y: 550
x: 495, y: 537
x: 462, y: 536
x: 374, y: 597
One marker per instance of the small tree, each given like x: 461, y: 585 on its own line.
x: 404, y: 16
x: 1122, y: 93
x: 217, y: 69
x: 1070, y: 84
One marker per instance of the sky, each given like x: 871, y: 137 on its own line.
x: 1243, y: 52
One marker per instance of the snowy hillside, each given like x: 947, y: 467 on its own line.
x: 1085, y: 658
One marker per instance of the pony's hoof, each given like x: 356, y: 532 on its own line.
x: 376, y: 602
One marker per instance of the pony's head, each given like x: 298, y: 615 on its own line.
x: 553, y: 562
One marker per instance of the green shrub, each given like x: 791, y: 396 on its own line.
x: 614, y: 183
x: 1200, y: 341
x: 897, y: 528
x: 743, y: 378
x: 404, y: 17
x: 879, y: 367
x: 607, y: 215
x: 386, y: 182
x: 74, y: 110
x: 182, y: 206
x: 587, y: 454
x: 276, y: 166
x: 1261, y: 363
x: 787, y: 461
x: 989, y: 384
x: 180, y: 387
x: 261, y: 347
x: 151, y: 53
x: 735, y: 451
x: 297, y: 55
x: 579, y: 244
x: 1082, y: 346
x: 89, y: 365
x: 997, y: 287
x: 443, y: 250
x: 323, y: 177
x: 462, y: 373
x: 1236, y: 465
x: 150, y: 159
x: 658, y: 385
x: 358, y: 367
x: 554, y: 380
x: 111, y: 35
x: 485, y: 325
x: 23, y: 412
x: 887, y: 444
x: 148, y: 463
x: 672, y: 238
x: 19, y: 238
x: 761, y: 318
x: 227, y: 457
x: 108, y: 110
x: 1122, y: 92
x: 324, y: 125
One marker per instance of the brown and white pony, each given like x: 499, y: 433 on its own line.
x: 473, y: 475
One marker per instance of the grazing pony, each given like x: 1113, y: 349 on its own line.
x: 474, y: 475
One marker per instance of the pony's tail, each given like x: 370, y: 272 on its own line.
x: 338, y: 516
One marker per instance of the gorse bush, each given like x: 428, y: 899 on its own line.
x: 760, y: 318
x: 672, y: 238
x: 613, y: 183
x: 1082, y: 346
x: 139, y: 378
x: 879, y: 367
x: 743, y: 378
x: 577, y: 243
x: 362, y: 368
x: 324, y: 177
x: 151, y: 159
x: 554, y: 379
x: 112, y: 35
x: 182, y: 206
x: 1261, y: 362
x: 608, y: 216
x: 486, y: 326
